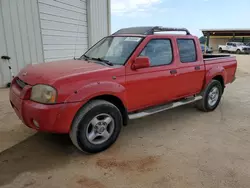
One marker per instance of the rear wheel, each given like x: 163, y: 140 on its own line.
x: 220, y: 50
x: 96, y: 126
x: 211, y: 97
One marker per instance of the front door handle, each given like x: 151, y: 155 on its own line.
x: 197, y: 68
x: 173, y: 71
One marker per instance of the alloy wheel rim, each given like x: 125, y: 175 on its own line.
x: 213, y: 96
x: 100, y: 128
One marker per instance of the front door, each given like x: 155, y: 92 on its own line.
x: 233, y: 48
x: 156, y: 84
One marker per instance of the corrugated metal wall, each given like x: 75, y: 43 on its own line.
x: 98, y: 19
x: 20, y: 36
x: 64, y: 28
x: 33, y: 31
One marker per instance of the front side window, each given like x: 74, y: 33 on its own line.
x: 114, y: 49
x: 159, y: 51
x: 187, y: 50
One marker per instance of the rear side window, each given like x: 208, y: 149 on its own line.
x: 159, y: 51
x: 187, y: 50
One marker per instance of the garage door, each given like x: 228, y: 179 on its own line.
x: 20, y: 36
x: 64, y: 28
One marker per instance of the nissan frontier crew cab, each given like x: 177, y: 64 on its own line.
x: 131, y: 74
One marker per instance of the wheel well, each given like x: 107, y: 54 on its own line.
x: 118, y: 103
x: 221, y: 80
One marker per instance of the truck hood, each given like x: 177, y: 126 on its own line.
x: 243, y: 46
x: 51, y: 71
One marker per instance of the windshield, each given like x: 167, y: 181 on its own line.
x: 114, y: 49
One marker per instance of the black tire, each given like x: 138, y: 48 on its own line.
x: 238, y: 51
x: 203, y: 104
x: 220, y: 50
x: 82, y: 120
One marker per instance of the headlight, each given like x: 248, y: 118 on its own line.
x: 43, y: 94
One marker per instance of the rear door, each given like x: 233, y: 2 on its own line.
x: 156, y: 84
x: 191, y: 69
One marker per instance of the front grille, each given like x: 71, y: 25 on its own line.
x: 20, y: 83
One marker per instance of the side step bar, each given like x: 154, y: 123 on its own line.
x: 161, y: 108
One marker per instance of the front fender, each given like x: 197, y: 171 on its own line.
x: 213, y: 72
x: 97, y: 89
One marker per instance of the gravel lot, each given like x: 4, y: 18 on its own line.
x: 178, y: 148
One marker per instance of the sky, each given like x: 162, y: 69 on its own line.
x: 191, y: 14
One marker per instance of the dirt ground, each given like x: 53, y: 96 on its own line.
x: 178, y: 148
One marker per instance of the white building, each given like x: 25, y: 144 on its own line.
x: 35, y: 31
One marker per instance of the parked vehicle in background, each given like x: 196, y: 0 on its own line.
x: 128, y: 75
x: 234, y: 47
x: 208, y: 49
x: 248, y: 44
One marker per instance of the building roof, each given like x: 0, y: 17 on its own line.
x: 226, y: 32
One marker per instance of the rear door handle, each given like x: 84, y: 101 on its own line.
x: 197, y: 68
x: 173, y: 71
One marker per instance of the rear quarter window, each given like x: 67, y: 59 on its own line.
x: 187, y: 50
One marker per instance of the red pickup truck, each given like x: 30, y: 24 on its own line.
x: 133, y: 73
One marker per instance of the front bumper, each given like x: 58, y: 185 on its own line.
x: 55, y: 118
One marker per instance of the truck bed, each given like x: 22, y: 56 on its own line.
x: 209, y: 56
x: 225, y: 63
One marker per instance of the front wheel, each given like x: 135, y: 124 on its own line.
x: 96, y: 126
x: 238, y: 51
x: 211, y: 97
x: 220, y: 50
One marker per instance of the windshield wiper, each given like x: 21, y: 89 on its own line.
x: 103, y: 60
x: 86, y: 57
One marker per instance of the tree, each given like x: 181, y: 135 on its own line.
x: 203, y: 40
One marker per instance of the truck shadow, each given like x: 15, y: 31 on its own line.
x: 40, y: 152
x: 44, y: 152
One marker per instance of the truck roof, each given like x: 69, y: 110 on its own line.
x: 235, y: 42
x: 150, y: 30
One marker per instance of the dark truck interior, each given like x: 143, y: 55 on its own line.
x: 210, y: 56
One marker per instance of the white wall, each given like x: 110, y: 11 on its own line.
x: 34, y: 31
x: 99, y: 20
x: 20, y: 36
x: 64, y: 28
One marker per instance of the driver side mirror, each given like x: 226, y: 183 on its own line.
x: 141, y: 62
